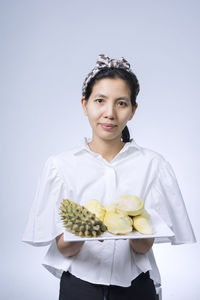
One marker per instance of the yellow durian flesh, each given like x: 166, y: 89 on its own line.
x: 96, y: 208
x: 118, y: 223
x: 111, y: 207
x: 130, y: 204
x: 142, y: 223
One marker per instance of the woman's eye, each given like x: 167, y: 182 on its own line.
x: 124, y: 103
x: 98, y: 99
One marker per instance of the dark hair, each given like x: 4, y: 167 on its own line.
x: 130, y: 79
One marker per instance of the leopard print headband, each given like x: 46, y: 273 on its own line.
x: 105, y: 62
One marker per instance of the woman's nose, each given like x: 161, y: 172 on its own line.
x: 110, y: 111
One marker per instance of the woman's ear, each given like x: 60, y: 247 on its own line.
x: 84, y: 105
x: 133, y: 110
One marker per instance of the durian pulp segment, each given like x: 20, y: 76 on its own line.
x: 79, y: 220
x: 130, y: 204
x: 117, y: 223
x: 96, y: 208
x: 111, y: 207
x: 142, y: 223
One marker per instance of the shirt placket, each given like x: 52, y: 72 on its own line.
x: 110, y: 184
x: 110, y: 188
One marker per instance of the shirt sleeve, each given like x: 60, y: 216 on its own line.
x: 44, y: 222
x: 166, y: 198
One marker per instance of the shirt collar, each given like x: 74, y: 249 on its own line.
x: 84, y: 146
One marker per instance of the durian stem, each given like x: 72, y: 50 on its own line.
x: 68, y: 248
x: 141, y: 245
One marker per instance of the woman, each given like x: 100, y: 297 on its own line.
x: 104, y: 167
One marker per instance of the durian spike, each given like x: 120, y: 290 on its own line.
x: 78, y: 220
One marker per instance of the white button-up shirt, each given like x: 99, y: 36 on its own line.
x: 80, y: 174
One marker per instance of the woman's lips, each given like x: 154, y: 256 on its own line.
x: 107, y: 127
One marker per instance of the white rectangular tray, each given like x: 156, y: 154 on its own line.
x: 159, y: 226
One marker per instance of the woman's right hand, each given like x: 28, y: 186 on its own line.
x: 68, y: 249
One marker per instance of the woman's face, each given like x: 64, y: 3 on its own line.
x: 109, y: 103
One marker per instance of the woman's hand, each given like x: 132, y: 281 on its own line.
x: 68, y: 248
x: 141, y: 245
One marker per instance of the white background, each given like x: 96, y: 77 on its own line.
x: 46, y: 50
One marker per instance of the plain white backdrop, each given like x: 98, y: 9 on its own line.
x: 46, y: 50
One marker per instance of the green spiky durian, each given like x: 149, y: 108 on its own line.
x: 79, y: 220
